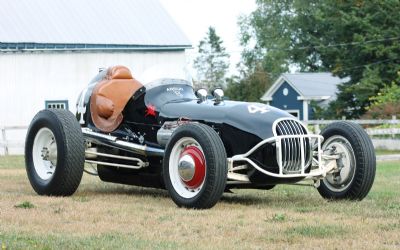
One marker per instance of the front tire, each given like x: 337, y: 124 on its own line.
x: 54, y: 153
x: 357, y: 164
x: 195, y: 166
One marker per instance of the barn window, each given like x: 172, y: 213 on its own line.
x: 56, y: 104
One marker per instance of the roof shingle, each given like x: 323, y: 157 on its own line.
x: 309, y: 85
x: 118, y: 22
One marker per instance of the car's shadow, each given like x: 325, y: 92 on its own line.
x: 228, y: 198
x: 242, y: 199
x: 124, y: 190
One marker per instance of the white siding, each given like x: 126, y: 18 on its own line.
x: 28, y: 79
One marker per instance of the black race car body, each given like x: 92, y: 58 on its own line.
x: 241, y: 125
x: 166, y: 135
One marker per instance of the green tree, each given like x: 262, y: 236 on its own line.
x: 357, y: 39
x: 212, y: 61
x: 386, y: 103
x: 249, y: 86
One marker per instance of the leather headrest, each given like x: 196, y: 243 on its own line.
x: 110, y: 96
x: 119, y: 72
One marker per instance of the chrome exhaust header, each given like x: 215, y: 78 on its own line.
x: 112, y: 141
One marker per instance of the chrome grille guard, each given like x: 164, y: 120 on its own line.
x: 279, y: 142
x: 296, y: 151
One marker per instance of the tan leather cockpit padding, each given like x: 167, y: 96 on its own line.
x: 120, y: 72
x: 110, y: 97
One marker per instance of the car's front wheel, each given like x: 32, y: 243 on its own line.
x: 195, y: 166
x: 356, y: 164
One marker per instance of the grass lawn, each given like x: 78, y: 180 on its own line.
x: 109, y: 216
x: 387, y: 152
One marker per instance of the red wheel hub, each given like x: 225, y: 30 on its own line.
x: 192, y: 167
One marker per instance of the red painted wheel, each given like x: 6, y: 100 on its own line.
x: 195, y: 166
x: 187, y: 169
x: 192, y: 167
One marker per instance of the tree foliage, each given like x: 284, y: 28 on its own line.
x: 212, y: 61
x: 249, y: 86
x: 386, y: 103
x: 357, y: 39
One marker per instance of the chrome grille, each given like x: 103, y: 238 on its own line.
x: 292, y: 152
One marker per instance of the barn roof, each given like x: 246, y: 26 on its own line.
x: 88, y: 24
x: 318, y: 86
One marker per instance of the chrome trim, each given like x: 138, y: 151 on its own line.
x: 140, y: 164
x: 201, y: 94
x: 117, y: 157
x: 186, y: 168
x: 113, y: 164
x: 292, y: 157
x: 278, y: 139
x: 236, y: 176
x: 291, y: 152
x: 218, y: 94
x: 289, y: 119
x: 112, y: 141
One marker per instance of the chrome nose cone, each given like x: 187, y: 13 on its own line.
x: 186, y: 168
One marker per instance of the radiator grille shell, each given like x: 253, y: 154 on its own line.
x: 295, y: 152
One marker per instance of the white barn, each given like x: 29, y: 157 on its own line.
x: 49, y: 50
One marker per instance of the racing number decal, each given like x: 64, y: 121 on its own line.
x: 81, y: 109
x: 255, y: 109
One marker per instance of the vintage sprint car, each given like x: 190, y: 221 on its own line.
x: 166, y: 135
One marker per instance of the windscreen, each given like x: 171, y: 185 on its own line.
x: 165, y: 71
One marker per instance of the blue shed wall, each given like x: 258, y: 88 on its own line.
x: 290, y: 101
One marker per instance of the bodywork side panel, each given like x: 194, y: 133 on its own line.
x: 253, y: 118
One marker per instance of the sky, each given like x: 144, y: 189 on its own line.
x: 195, y: 16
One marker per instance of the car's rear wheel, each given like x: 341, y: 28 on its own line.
x: 356, y: 165
x: 195, y: 166
x: 54, y: 153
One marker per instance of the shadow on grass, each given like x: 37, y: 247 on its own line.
x: 272, y: 200
x: 117, y: 189
x: 248, y: 197
x: 247, y: 200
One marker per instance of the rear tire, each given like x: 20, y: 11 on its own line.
x: 357, y: 164
x: 54, y: 153
x: 195, y: 166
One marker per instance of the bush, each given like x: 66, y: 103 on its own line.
x: 385, y: 104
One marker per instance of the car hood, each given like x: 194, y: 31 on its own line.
x: 254, y: 118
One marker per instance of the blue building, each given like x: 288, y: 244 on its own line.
x: 293, y: 92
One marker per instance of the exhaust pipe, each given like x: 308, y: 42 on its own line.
x: 112, y: 141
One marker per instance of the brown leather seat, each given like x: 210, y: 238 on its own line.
x: 110, y: 96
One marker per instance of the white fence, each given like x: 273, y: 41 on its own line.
x: 387, y: 131
x: 382, y: 138
x: 12, y: 137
